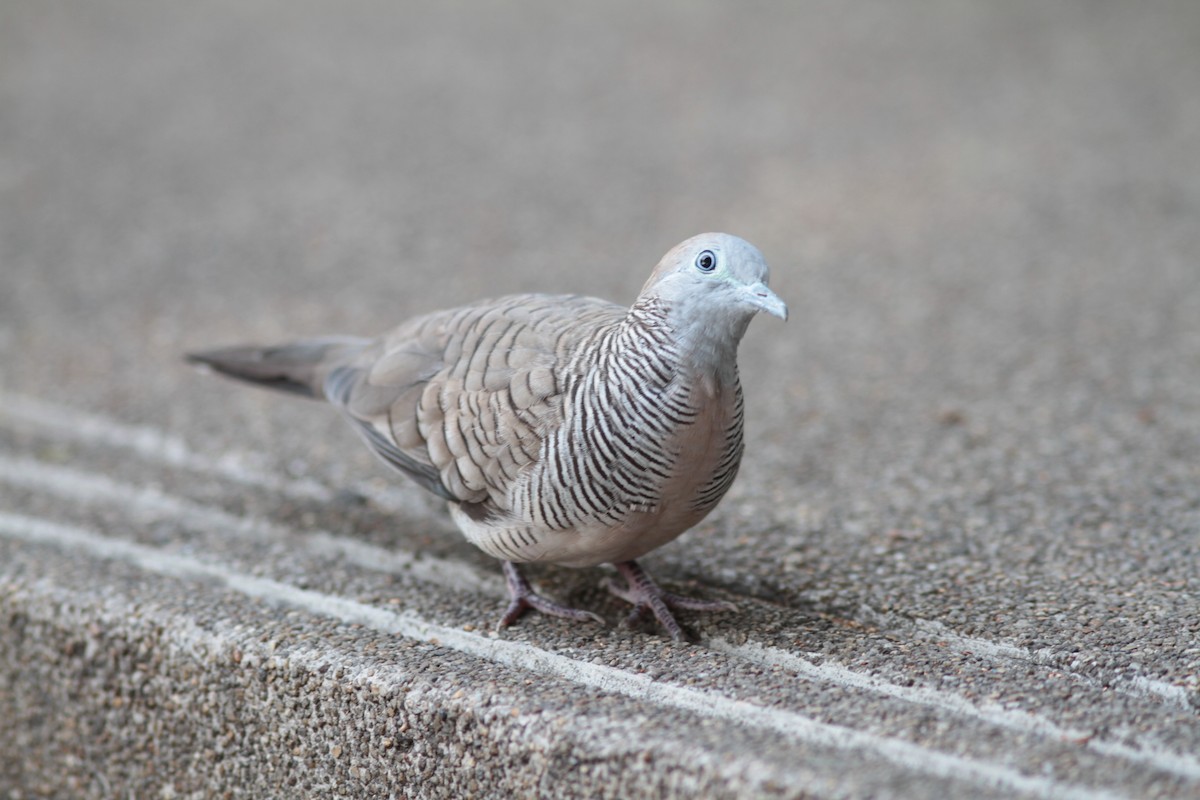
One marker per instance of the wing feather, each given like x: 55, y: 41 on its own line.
x: 461, y: 400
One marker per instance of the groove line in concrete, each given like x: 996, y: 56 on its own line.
x: 532, y: 659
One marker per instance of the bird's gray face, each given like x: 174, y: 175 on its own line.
x: 716, y: 276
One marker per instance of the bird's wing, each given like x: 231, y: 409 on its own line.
x: 461, y: 400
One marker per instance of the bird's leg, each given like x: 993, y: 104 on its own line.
x: 523, y: 598
x: 646, y: 595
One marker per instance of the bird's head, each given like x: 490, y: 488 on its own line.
x: 714, y: 278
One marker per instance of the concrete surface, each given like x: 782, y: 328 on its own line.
x: 966, y: 537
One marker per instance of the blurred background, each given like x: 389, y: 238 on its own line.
x: 973, y: 450
x: 984, y: 217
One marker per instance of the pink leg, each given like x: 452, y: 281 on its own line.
x: 646, y: 595
x: 523, y: 598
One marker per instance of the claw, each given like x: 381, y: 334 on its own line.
x: 524, y: 598
x: 634, y: 616
x: 646, y: 595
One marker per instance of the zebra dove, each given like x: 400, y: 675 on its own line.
x: 560, y: 429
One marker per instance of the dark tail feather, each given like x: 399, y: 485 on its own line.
x: 297, y: 367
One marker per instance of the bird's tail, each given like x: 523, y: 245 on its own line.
x: 296, y: 367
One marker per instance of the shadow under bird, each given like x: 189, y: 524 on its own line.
x: 559, y: 428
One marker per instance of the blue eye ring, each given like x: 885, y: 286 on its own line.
x: 706, y: 261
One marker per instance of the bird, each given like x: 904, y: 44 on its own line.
x: 559, y: 429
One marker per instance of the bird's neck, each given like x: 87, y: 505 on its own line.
x: 701, y: 351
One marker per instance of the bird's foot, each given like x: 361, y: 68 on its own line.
x: 646, y: 595
x: 523, y: 598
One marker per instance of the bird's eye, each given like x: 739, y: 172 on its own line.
x: 706, y: 261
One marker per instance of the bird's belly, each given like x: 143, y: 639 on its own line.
x: 587, y: 546
x: 587, y: 543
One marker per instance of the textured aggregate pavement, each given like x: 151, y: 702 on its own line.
x: 965, y: 541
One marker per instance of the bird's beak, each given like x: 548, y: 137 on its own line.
x: 762, y: 298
